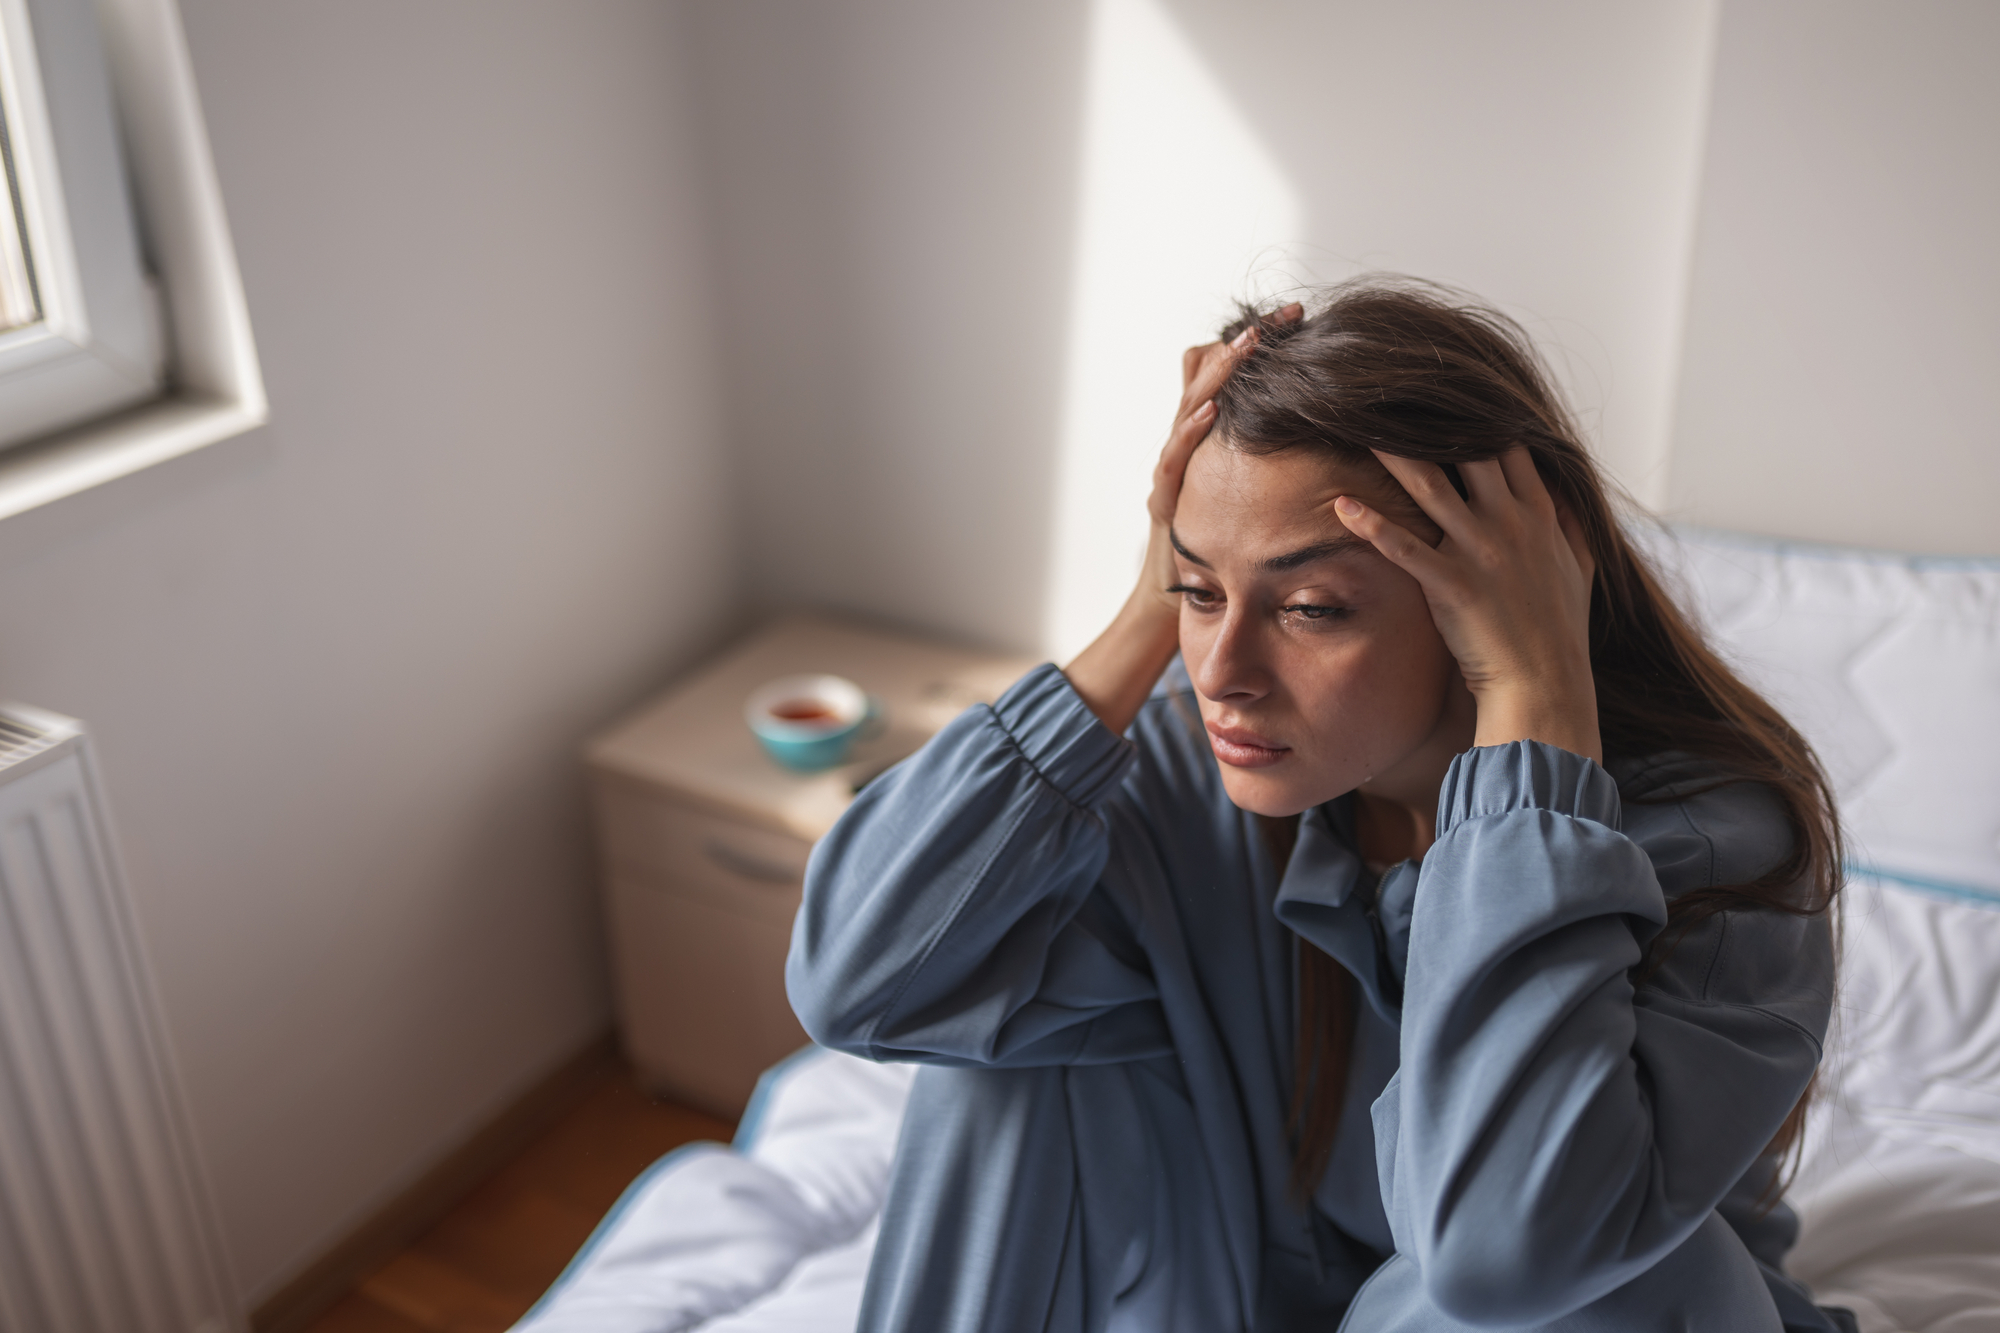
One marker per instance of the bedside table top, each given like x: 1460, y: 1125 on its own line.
x: 692, y: 743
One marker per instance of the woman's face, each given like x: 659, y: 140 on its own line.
x: 1317, y: 664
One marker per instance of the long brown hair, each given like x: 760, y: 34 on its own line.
x: 1421, y: 371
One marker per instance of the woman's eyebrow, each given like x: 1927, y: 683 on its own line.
x: 1305, y: 555
x: 1185, y: 554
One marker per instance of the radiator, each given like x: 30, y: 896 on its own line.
x: 105, y: 1225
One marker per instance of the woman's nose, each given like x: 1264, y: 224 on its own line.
x: 1230, y: 666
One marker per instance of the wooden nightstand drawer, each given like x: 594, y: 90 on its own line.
x: 731, y: 865
x: 702, y: 989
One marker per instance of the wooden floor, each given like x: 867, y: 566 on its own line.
x: 482, y: 1267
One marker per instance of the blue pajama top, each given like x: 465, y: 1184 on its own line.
x: 1092, y: 946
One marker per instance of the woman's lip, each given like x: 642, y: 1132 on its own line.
x: 1243, y: 749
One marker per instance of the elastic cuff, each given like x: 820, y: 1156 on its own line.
x: 1077, y: 754
x: 1526, y: 775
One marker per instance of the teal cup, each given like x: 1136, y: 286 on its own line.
x: 809, y: 723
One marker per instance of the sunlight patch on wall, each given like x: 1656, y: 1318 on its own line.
x: 1182, y: 209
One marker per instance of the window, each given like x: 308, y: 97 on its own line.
x: 81, y: 337
x: 123, y: 335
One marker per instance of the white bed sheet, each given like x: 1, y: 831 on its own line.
x: 1899, y: 1185
x: 769, y: 1235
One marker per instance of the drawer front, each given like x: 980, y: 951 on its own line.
x: 671, y: 849
x: 701, y: 994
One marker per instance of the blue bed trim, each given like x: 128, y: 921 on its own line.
x: 678, y: 1157
x: 752, y: 1123
x: 1941, y: 888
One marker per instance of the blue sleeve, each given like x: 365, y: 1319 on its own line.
x: 951, y: 915
x: 1552, y: 1133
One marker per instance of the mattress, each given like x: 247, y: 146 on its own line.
x: 1889, y: 665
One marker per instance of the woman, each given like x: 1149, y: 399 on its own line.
x: 1443, y: 942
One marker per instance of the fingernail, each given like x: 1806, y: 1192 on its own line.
x: 1346, y: 508
x: 1242, y: 340
x: 1207, y: 409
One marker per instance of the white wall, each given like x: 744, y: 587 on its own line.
x: 893, y: 184
x: 339, y: 669
x: 932, y: 427
x: 1839, y: 378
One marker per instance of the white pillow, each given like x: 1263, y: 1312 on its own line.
x: 1890, y: 666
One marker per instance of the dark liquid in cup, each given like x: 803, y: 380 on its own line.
x: 804, y: 710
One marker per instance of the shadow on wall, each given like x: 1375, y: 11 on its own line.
x: 891, y: 190
x: 1838, y: 382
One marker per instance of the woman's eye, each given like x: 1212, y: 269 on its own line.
x: 1314, y: 611
x: 1198, y: 596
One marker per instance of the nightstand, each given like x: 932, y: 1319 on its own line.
x: 704, y: 838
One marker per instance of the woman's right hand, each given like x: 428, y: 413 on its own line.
x: 1118, y: 670
x: 1204, y: 370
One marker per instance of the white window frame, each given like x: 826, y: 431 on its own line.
x: 97, y: 346
x: 212, y: 387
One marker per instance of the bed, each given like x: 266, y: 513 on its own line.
x: 1891, y: 666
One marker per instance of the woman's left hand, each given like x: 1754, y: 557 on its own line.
x: 1509, y: 588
